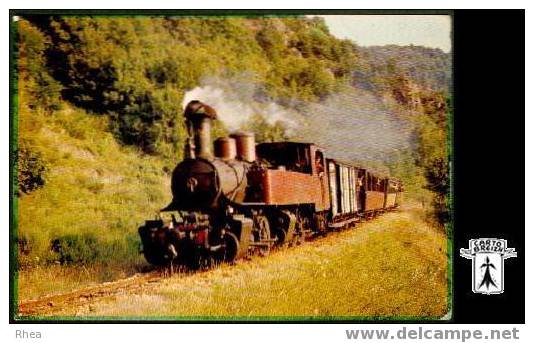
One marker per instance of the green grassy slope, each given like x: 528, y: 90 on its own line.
x: 97, y: 192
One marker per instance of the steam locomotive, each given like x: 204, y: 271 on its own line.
x: 246, y: 198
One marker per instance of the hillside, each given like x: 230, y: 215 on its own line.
x: 95, y: 188
x: 426, y: 67
x: 100, y: 121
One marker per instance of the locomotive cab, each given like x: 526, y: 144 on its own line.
x: 304, y: 158
x: 295, y: 175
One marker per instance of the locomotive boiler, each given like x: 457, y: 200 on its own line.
x: 234, y: 197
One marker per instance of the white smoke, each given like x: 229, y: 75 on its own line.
x: 236, y: 102
x: 356, y: 125
x: 353, y: 125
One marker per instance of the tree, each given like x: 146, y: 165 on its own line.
x: 44, y: 91
x: 266, y: 132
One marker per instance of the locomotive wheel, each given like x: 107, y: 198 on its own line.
x: 300, y: 238
x: 303, y: 225
x: 193, y: 262
x: 280, y: 231
x: 281, y: 237
x: 264, y: 233
x: 231, y: 247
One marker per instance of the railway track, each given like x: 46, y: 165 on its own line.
x: 54, y: 304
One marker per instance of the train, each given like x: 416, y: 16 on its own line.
x: 233, y: 197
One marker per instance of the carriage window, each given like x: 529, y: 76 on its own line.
x: 361, y: 178
x: 381, y: 185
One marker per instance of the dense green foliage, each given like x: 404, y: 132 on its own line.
x: 425, y: 170
x: 43, y: 90
x: 434, y: 153
x: 100, y: 114
x: 31, y: 169
x: 136, y: 70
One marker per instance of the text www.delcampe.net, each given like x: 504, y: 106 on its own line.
x: 428, y: 334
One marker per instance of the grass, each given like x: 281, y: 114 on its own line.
x: 56, y: 279
x: 391, y: 267
x: 97, y: 193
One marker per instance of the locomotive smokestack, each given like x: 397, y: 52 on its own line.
x: 198, y: 120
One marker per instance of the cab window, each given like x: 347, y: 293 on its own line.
x: 294, y: 157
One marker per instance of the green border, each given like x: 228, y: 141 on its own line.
x: 13, y: 184
x: 245, y: 13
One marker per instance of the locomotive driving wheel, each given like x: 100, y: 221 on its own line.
x: 284, y: 228
x: 263, y: 234
x: 231, y: 247
x: 281, y: 237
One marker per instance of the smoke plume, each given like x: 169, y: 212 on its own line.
x: 356, y: 125
x: 352, y: 125
x: 237, y: 100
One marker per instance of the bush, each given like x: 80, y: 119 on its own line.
x: 73, y: 248
x: 437, y: 176
x: 31, y: 169
x: 87, y: 248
